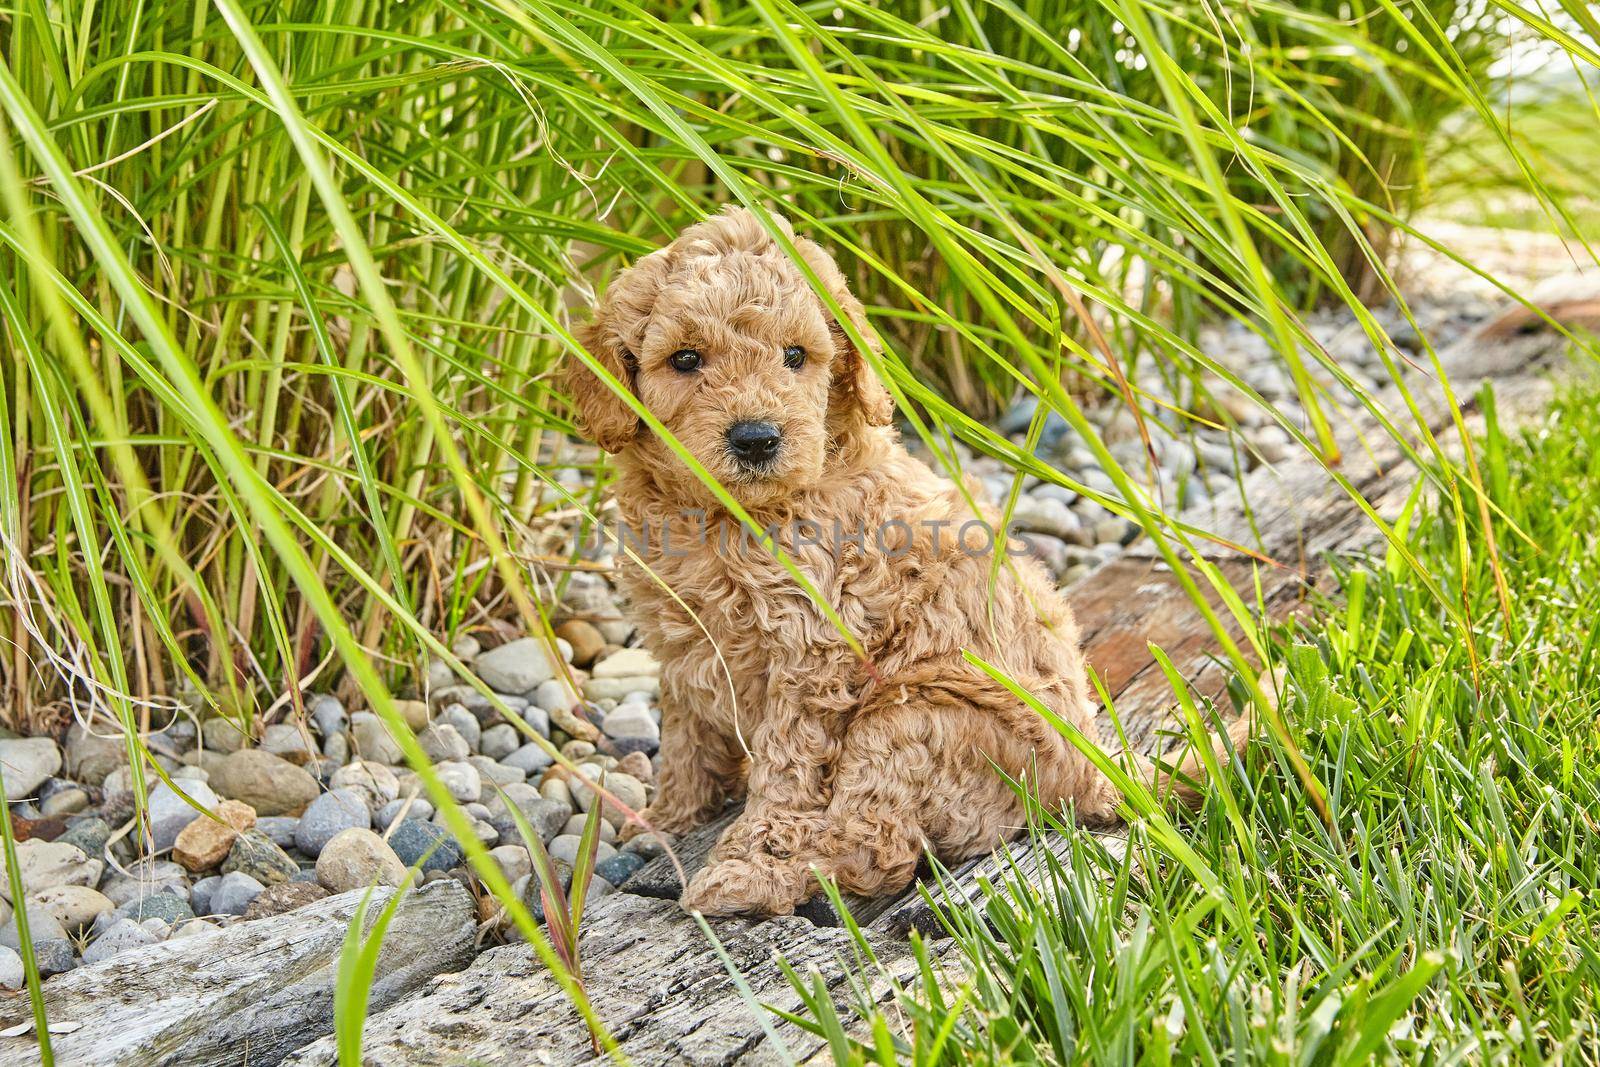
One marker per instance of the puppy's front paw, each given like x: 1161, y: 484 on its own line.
x: 667, y: 823
x: 743, y: 887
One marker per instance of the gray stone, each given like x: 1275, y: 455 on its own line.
x: 170, y: 813
x: 529, y: 759
x: 513, y: 861
x: 74, y: 906
x: 516, y: 667
x: 538, y: 720
x: 619, y: 868
x: 121, y: 936
x: 442, y: 742
x: 413, y: 839
x: 327, y: 715
x: 290, y: 741
x: 27, y: 762
x: 372, y: 739
x: 358, y: 858
x: 201, y: 892
x: 94, y: 753
x: 1052, y: 551
x: 270, y: 784
x: 44, y: 864
x: 253, y: 853
x: 439, y: 673
x: 553, y: 695
x: 646, y: 846
x: 145, y: 878
x: 336, y: 750
x: 461, y: 780
x: 220, y: 735
x: 420, y: 809
x: 65, y: 802
x: 329, y: 815
x: 176, y: 738
x: 1046, y: 515
x: 497, y: 774
x: 544, y: 817
x: 624, y: 746
x: 627, y: 789
x: 169, y: 907
x: 12, y: 974
x: 42, y: 925
x: 499, y: 741
x: 481, y: 706
x: 54, y: 955
x: 88, y: 835
x: 466, y: 725
x: 234, y: 893
x: 631, y: 720
x: 1112, y: 531
x: 565, y: 847
x: 608, y: 688
x: 628, y: 663
x: 576, y: 823
x: 279, y: 829
x: 377, y: 782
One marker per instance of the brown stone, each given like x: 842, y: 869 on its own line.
x: 46, y: 829
x: 285, y: 896
x: 638, y: 765
x: 414, y: 712
x: 270, y: 785
x: 587, y: 642
x: 579, y: 729
x: 205, y: 842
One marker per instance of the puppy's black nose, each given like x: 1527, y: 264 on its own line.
x: 753, y: 442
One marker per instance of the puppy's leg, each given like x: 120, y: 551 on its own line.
x: 761, y: 864
x: 910, y: 771
x: 702, y: 763
x: 891, y: 782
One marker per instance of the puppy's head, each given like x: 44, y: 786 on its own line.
x: 722, y: 339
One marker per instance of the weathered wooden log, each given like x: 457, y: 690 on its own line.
x: 651, y: 974
x: 251, y: 993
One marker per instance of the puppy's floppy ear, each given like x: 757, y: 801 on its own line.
x: 619, y: 324
x: 854, y: 383
x: 602, y: 414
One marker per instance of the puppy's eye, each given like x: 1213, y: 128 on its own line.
x: 794, y: 357
x: 685, y: 360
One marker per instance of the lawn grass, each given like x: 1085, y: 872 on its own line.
x: 1449, y: 912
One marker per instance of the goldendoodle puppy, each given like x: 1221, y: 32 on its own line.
x: 850, y: 765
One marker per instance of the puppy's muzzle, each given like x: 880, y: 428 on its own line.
x: 754, y: 444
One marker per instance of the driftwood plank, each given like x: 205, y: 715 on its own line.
x: 652, y: 975
x: 251, y: 993
x: 1024, y: 860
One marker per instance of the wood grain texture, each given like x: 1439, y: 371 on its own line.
x: 251, y: 993
x: 652, y: 975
